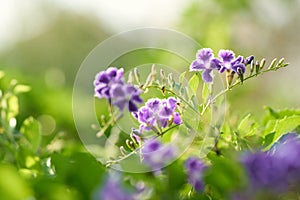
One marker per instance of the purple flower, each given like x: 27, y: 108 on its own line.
x: 125, y: 95
x: 195, y: 168
x: 229, y: 62
x: 205, y: 62
x: 287, y: 151
x: 105, y: 79
x: 273, y: 171
x: 158, y: 114
x: 265, y: 172
x: 110, y: 84
x: 156, y: 155
x: 113, y: 190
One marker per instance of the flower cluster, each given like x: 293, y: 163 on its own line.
x: 227, y: 61
x: 157, y: 114
x: 110, y: 84
x: 195, y: 168
x: 156, y: 155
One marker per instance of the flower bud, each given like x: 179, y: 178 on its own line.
x: 272, y: 63
x: 130, y: 144
x: 130, y: 77
x: 280, y: 62
x: 137, y: 75
x: 262, y: 63
x: 257, y: 67
x: 171, y: 81
x: 123, y: 151
x: 163, y: 77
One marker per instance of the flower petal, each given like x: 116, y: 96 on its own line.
x: 177, y: 120
x: 132, y: 107
x: 207, y: 76
x: 204, y: 55
x: 226, y: 55
x: 196, y: 66
x: 117, y: 91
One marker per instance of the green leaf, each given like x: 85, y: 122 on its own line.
x: 244, y: 124
x: 283, y: 126
x: 225, y: 175
x: 12, y: 186
x: 287, y: 125
x: 274, y: 114
x: 21, y: 89
x: 193, y: 84
x: 181, y: 77
x: 70, y: 170
x: 205, y: 92
x: 269, y: 139
x: 31, y: 130
x: 176, y: 177
x: 13, y: 106
x: 247, y: 126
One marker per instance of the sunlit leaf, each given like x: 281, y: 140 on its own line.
x: 181, y: 77
x: 12, y: 186
x: 193, y: 84
x: 21, y: 89
x: 31, y: 130
x: 205, y: 92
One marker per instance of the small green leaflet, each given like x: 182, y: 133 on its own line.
x: 193, y: 84
x: 31, y: 131
x: 285, y: 125
x: 205, y: 92
x: 181, y: 77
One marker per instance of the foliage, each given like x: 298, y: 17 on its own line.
x: 43, y: 167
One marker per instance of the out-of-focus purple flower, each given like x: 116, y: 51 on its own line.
x: 156, y: 155
x: 228, y: 61
x: 265, y: 172
x: 157, y: 114
x: 113, y: 190
x: 105, y: 79
x: 195, y: 168
x: 273, y: 171
x: 205, y: 62
x: 287, y: 151
x: 125, y: 95
x: 110, y: 84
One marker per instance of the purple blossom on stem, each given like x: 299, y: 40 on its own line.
x: 195, y: 168
x: 158, y: 114
x: 156, y: 155
x: 110, y: 84
x: 105, y: 79
x: 205, y: 62
x: 125, y: 95
x: 229, y: 62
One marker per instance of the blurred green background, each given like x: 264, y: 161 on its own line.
x: 43, y: 43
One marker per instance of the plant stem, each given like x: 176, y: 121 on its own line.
x: 232, y: 86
